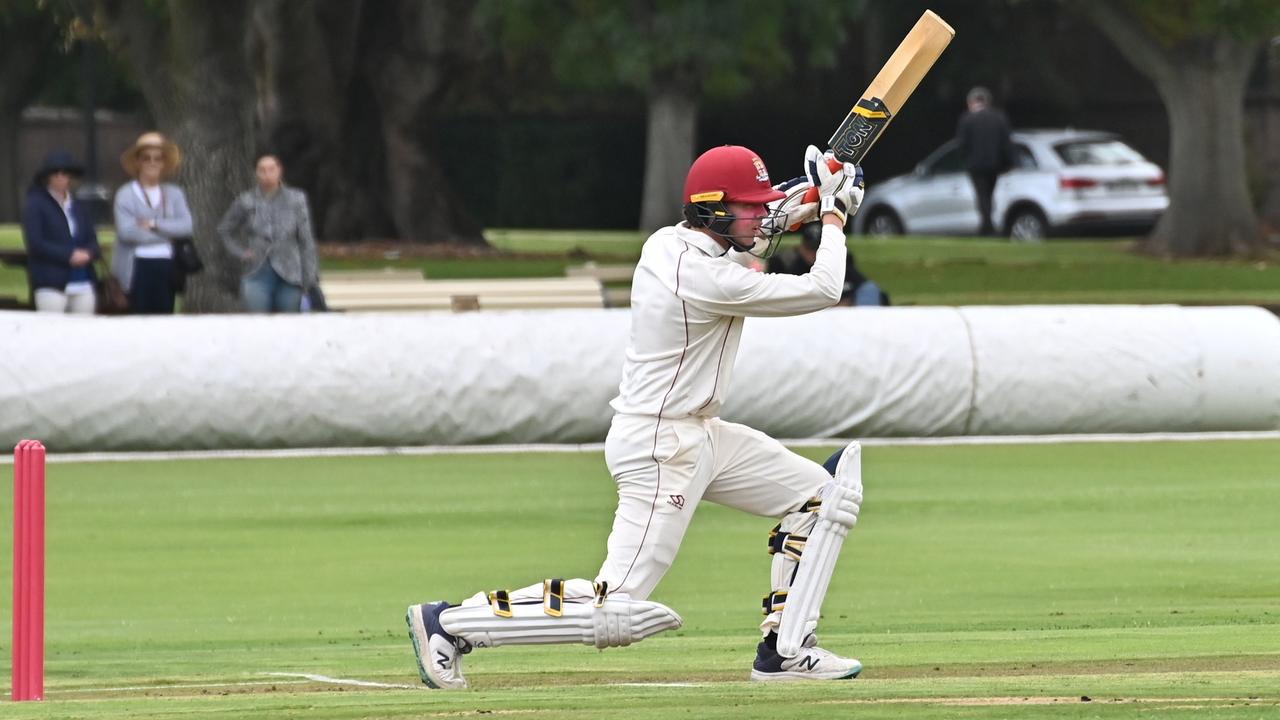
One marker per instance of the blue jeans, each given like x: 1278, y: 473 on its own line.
x: 264, y: 291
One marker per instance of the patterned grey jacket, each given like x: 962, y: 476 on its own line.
x: 275, y: 229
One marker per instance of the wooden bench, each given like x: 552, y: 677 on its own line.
x: 385, y: 274
x: 619, y: 275
x: 377, y: 295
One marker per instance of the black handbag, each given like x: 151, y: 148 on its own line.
x: 185, y: 256
x: 315, y: 298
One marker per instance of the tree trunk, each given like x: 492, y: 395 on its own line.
x: 413, y: 50
x: 192, y: 63
x: 311, y: 103
x: 1210, y: 213
x: 1201, y: 79
x: 10, y: 185
x: 1270, y: 162
x: 669, y: 146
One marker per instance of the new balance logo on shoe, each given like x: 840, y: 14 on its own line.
x: 808, y: 662
x: 443, y: 662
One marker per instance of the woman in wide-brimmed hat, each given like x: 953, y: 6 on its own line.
x: 149, y: 214
x: 60, y: 239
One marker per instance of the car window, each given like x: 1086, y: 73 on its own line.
x: 948, y: 162
x: 1097, y: 152
x: 1022, y: 158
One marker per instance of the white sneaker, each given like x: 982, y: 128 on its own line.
x: 811, y: 663
x: 439, y: 653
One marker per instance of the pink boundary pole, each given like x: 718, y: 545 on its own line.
x: 28, y: 571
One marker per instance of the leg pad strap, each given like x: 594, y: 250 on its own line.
x: 618, y: 622
x: 775, y: 601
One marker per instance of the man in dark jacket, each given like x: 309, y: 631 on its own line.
x: 60, y: 239
x: 983, y: 134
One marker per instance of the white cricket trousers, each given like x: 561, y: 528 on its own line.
x: 664, y: 468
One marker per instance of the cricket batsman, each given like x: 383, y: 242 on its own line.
x: 668, y: 450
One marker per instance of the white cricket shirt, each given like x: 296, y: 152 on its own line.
x: 688, y: 302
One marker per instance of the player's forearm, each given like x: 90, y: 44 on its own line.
x: 829, y: 266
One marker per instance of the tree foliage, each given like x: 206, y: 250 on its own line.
x: 675, y: 53
x: 722, y: 49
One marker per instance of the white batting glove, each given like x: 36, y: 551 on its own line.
x: 840, y: 504
x: 797, y: 208
x: 840, y: 185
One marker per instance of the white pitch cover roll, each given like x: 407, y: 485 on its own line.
x: 322, y: 380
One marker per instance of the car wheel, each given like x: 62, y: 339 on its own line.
x: 883, y: 223
x: 1028, y: 225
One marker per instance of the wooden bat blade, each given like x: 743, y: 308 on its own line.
x: 889, y: 91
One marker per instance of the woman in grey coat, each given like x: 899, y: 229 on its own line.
x: 269, y: 229
x: 149, y: 214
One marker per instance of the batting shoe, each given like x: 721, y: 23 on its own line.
x: 439, y: 653
x: 811, y: 663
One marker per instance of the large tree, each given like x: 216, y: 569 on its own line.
x: 1199, y: 54
x: 349, y: 91
x: 191, y: 60
x: 310, y: 106
x: 678, y: 53
x: 28, y: 42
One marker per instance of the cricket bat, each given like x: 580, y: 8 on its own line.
x: 887, y: 94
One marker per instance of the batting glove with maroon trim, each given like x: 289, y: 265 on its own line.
x: 840, y: 185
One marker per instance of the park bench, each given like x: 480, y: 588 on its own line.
x: 371, y: 292
x: 615, y: 274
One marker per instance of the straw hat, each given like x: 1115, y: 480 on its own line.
x: 129, y: 159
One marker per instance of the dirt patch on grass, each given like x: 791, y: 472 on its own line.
x: 1174, y: 703
x: 1121, y: 666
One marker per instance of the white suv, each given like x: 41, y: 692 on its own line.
x: 1062, y: 181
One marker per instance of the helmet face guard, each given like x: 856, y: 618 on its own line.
x: 732, y: 174
x: 715, y: 217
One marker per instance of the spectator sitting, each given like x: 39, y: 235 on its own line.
x: 149, y: 215
x: 60, y: 239
x: 858, y: 289
x: 269, y: 230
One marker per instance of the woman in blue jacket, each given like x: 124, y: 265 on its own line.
x: 60, y: 239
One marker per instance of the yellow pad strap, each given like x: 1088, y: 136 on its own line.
x: 788, y: 544
x: 553, y: 596
x: 500, y: 601
x: 775, y: 600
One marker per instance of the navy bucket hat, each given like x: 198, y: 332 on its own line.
x: 55, y: 161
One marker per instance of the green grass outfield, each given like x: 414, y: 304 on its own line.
x: 981, y: 582
x: 915, y: 270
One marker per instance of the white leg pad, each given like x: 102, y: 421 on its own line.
x: 805, y: 596
x: 618, y: 622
